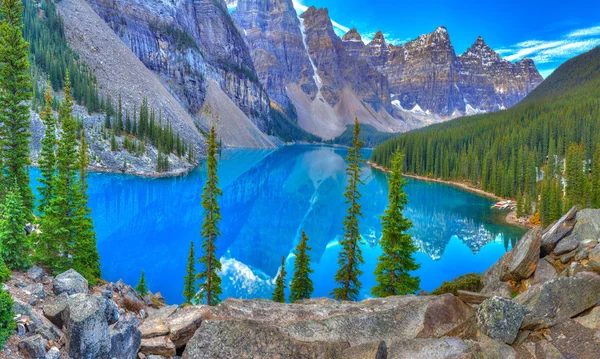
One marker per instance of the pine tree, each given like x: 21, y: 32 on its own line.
x: 392, y: 272
x: 86, y: 259
x: 14, y: 244
x: 47, y: 161
x: 301, y: 286
x: 210, y: 282
x: 142, y: 287
x: 15, y: 92
x: 58, y: 223
x: 350, y: 257
x: 189, y: 282
x: 279, y: 293
x: 520, y: 206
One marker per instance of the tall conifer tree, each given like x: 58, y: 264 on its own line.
x: 86, y: 259
x: 392, y: 273
x: 15, y: 92
x: 350, y: 257
x: 210, y: 282
x: 279, y: 293
x: 301, y: 286
x: 189, y: 282
x: 47, y: 161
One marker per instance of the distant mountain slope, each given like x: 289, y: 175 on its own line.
x: 500, y: 152
x: 577, y: 73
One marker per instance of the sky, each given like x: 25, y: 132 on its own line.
x: 549, y: 32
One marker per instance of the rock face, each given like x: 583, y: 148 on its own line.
x: 523, y: 259
x: 315, y: 327
x: 500, y: 319
x: 558, y: 300
x: 307, y: 71
x: 558, y: 230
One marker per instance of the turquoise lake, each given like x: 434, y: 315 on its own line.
x: 268, y: 198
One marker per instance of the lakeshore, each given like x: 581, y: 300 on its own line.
x: 511, y: 216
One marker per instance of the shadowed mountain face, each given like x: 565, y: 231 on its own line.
x: 268, y: 198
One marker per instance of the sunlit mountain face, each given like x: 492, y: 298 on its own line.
x: 269, y: 197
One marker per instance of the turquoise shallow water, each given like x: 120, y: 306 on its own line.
x: 268, y: 197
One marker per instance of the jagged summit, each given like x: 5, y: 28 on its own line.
x: 481, y: 50
x: 378, y: 39
x: 352, y: 35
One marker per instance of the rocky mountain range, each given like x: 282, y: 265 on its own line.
x: 259, y: 69
x: 392, y: 88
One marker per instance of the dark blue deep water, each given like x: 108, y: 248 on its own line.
x: 268, y: 198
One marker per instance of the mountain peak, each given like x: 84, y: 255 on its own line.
x: 378, y: 39
x: 441, y: 30
x: 482, y: 51
x: 352, y: 35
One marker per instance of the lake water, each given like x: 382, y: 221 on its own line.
x: 268, y: 198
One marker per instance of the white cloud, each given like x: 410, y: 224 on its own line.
x: 562, y: 48
x: 590, y: 31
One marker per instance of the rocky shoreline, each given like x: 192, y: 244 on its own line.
x: 511, y: 216
x: 540, y: 300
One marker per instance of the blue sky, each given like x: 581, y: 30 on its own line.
x: 549, y: 32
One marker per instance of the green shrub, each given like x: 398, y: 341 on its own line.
x: 470, y: 282
x: 4, y: 272
x: 7, y: 321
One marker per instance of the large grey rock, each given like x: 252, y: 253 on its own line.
x: 588, y: 225
x: 523, y: 258
x: 57, y: 309
x: 557, y: 300
x: 487, y: 348
x: 492, y: 285
x: 159, y: 346
x: 156, y: 324
x: 376, y: 350
x: 443, y: 314
x: 567, y: 245
x: 33, y: 347
x: 70, y: 282
x: 125, y: 338
x: 500, y: 319
x: 35, y: 273
x: 183, y: 324
x: 590, y: 320
x: 87, y: 331
x: 252, y: 339
x: 446, y: 348
x: 544, y: 272
x: 558, y: 230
